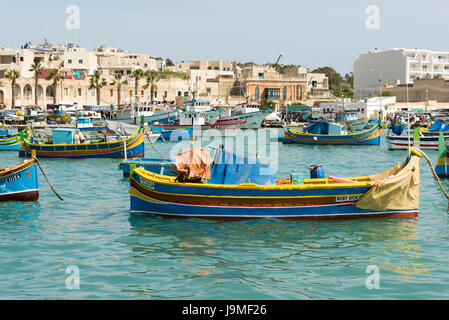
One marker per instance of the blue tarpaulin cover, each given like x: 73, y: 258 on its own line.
x: 397, y: 129
x: 176, y: 135
x: 439, y: 126
x: 228, y: 168
x: 317, y: 127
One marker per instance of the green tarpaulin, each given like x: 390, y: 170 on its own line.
x: 296, y: 108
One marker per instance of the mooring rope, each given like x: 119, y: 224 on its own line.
x: 437, y: 179
x: 155, y: 149
x: 48, y: 181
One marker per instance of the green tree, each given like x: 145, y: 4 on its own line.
x: 349, y: 79
x: 56, y: 76
x: 169, y: 63
x: 335, y: 79
x: 96, y: 82
x: 266, y: 104
x: 118, y: 81
x: 137, y: 75
x: 12, y: 75
x: 151, y: 77
x: 37, y: 68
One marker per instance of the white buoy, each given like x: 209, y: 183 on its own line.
x: 315, y: 139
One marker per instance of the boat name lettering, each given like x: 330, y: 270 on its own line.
x: 347, y: 198
x: 148, y: 184
x: 14, y: 177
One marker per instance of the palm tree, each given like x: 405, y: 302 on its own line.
x: 56, y: 76
x: 13, y: 75
x: 95, y: 82
x: 137, y: 75
x: 118, y: 82
x: 37, y: 68
x: 152, y: 77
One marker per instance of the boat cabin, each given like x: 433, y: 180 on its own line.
x: 246, y: 108
x: 199, y: 105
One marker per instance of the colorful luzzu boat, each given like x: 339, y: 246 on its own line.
x: 368, y: 137
x: 442, y: 166
x: 426, y: 139
x: 13, y: 142
x: 393, y: 193
x: 20, y: 183
x: 132, y: 145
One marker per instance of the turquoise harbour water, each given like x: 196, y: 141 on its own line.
x: 124, y: 256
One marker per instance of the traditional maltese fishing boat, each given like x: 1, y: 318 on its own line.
x: 231, y: 189
x: 13, y: 142
x: 63, y: 146
x: 442, y: 167
x: 322, y: 132
x: 420, y: 137
x: 20, y: 182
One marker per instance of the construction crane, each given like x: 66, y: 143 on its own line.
x: 277, y: 62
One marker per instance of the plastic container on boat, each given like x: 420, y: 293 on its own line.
x: 316, y: 171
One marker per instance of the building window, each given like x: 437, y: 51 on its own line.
x: 80, y: 61
x: 273, y: 93
x: 66, y: 91
x: 186, y: 94
x: 261, y: 75
x: 69, y: 61
x: 179, y: 93
x: 79, y: 92
x: 49, y: 91
x: 155, y: 94
x: 111, y: 91
x: 208, y: 90
x: 257, y: 92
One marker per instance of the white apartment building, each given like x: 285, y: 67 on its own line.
x: 80, y: 60
x: 397, y: 66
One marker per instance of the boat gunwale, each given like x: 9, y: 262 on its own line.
x: 169, y: 180
x: 17, y: 168
x: 127, y: 139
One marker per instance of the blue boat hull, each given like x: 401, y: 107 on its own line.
x: 164, y: 118
x: 369, y: 137
x: 343, y: 211
x: 20, y: 185
x: 10, y: 147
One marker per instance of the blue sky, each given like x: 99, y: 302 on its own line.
x: 308, y: 33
